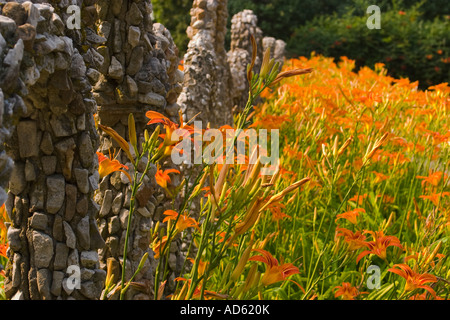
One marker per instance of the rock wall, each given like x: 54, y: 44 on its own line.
x: 136, y: 70
x: 207, y: 82
x: 53, y: 228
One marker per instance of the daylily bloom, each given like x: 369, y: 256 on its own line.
x: 274, y: 272
x: 3, y: 248
x: 432, y: 178
x: 347, y: 291
x: 182, y: 130
x: 436, y: 197
x: 3, y: 218
x: 351, y: 215
x: 107, y: 166
x: 183, y: 222
x: 275, y: 208
x: 158, y: 245
x: 355, y: 240
x: 163, y: 178
x: 379, y: 245
x: 414, y: 280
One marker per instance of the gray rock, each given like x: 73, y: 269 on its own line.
x: 71, y: 201
x: 82, y: 206
x: 43, y: 249
x: 134, y: 36
x: 58, y: 228
x: 17, y: 181
x: 97, y: 241
x: 144, y: 212
x: 15, y: 55
x: 62, y: 253
x: 152, y: 99
x: 134, y: 15
x: 55, y: 193
x: 13, y: 236
x: 47, y: 143
x: 115, y: 70
x: 16, y: 277
x: 83, y: 234
x: 77, y: 67
x: 7, y: 26
x: 87, y: 274
x: 117, y: 203
x: 107, y: 203
x: 136, y: 61
x: 30, y: 172
x: 73, y: 259
x: 57, y: 281
x: 63, y: 125
x: 44, y: 279
x: 71, y: 240
x: 89, y: 290
x: 82, y: 178
x: 94, y: 38
x: 48, y: 165
x: 123, y: 216
x: 39, y: 221
x: 86, y: 150
x: 32, y: 13
x: 89, y: 259
x: 2, y: 44
x: 113, y: 225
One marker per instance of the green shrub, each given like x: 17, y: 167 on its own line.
x: 408, y: 45
x: 174, y: 15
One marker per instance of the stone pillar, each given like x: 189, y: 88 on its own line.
x: 243, y: 24
x: 277, y: 49
x: 53, y: 233
x: 207, y: 83
x: 136, y: 70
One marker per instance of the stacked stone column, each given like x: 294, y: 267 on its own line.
x: 208, y: 83
x: 53, y: 233
x: 135, y: 70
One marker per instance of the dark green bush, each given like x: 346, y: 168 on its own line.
x: 174, y: 15
x: 409, y: 46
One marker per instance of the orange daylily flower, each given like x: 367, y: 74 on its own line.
x: 358, y: 198
x: 183, y: 222
x: 351, y: 215
x: 379, y: 177
x: 3, y: 248
x: 414, y: 280
x: 107, y: 166
x: 435, y: 197
x: 163, y: 178
x: 379, y: 244
x: 355, y: 240
x: 274, y: 272
x: 433, y: 178
x: 159, y: 245
x: 3, y: 218
x: 171, y: 127
x: 347, y: 291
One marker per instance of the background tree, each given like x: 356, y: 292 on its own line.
x: 174, y: 14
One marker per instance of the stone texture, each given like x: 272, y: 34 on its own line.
x: 52, y: 138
